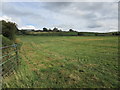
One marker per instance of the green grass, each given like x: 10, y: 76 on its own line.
x: 66, y: 61
x: 53, y: 33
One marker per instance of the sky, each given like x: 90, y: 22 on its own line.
x: 79, y: 16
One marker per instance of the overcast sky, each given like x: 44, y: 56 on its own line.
x: 79, y: 16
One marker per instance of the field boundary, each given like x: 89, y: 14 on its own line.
x: 9, y: 59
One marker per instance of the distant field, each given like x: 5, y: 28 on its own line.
x: 53, y: 33
x: 67, y: 61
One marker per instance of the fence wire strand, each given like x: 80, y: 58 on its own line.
x: 9, y: 59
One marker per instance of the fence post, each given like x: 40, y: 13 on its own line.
x: 16, y: 51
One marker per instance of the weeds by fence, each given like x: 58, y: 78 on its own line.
x: 10, y: 59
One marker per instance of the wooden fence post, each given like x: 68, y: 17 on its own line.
x: 16, y: 47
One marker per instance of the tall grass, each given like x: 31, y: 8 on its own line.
x: 62, y: 62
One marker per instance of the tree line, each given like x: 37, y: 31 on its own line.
x: 9, y: 31
x: 65, y: 33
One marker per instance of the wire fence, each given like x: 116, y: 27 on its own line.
x: 9, y: 59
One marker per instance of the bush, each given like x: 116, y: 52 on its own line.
x: 9, y: 29
x: 6, y: 41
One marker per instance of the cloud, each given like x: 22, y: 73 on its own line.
x: 113, y: 30
x: 94, y: 26
x: 91, y: 16
x: 60, y: 0
x: 6, y: 18
x: 18, y: 9
x: 28, y: 27
x: 56, y: 6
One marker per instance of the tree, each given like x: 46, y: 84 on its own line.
x: 55, y: 30
x: 70, y: 30
x: 50, y: 30
x: 45, y: 29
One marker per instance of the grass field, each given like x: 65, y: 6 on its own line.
x: 66, y: 61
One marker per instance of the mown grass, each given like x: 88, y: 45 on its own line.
x: 66, y: 61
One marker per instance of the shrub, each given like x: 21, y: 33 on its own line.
x: 6, y: 41
x: 9, y: 29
